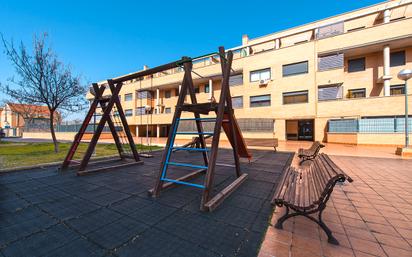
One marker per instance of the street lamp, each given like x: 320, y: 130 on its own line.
x: 405, y: 75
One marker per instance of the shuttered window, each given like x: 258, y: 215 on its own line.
x: 397, y: 89
x: 328, y: 62
x: 237, y: 102
x: 260, y: 100
x: 330, y: 30
x: 143, y: 95
x: 236, y: 80
x: 355, y: 65
x: 168, y: 93
x: 330, y: 92
x: 128, y: 97
x: 397, y: 59
x: 357, y: 93
x: 128, y: 112
x: 140, y: 111
x: 258, y: 75
x: 295, y: 69
x: 295, y: 97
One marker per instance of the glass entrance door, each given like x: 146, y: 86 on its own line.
x: 305, y: 130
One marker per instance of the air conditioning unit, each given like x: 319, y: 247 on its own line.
x: 263, y: 82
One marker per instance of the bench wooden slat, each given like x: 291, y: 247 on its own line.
x: 306, y: 190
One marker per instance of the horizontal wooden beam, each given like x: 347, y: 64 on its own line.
x: 151, y: 71
x: 222, y: 195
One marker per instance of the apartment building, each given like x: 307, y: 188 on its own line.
x: 331, y: 80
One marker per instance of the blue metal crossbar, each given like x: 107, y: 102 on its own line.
x: 183, y: 183
x: 194, y: 133
x: 171, y: 147
x: 186, y: 165
x: 192, y: 149
x: 201, y: 119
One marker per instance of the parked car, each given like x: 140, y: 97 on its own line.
x: 2, y: 134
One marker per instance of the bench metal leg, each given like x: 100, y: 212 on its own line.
x: 331, y: 238
x: 287, y: 215
x: 279, y: 223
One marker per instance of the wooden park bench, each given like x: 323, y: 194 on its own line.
x: 311, y: 153
x: 263, y: 142
x: 307, y: 190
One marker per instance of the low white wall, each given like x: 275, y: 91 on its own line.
x: 47, y: 135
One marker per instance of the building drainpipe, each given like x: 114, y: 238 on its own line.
x: 386, y: 59
x: 386, y: 70
x: 210, y: 89
x: 157, y: 101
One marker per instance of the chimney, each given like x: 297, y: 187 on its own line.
x: 245, y: 39
x: 145, y: 67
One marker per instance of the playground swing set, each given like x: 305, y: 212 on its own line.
x: 224, y: 119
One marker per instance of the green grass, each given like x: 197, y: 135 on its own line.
x: 26, y: 154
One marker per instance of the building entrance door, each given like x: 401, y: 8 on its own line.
x: 305, y: 130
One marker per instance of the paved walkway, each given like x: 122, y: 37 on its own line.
x: 370, y: 217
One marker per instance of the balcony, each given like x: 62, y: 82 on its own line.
x: 378, y: 34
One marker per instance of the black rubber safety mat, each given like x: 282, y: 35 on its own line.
x: 47, y: 213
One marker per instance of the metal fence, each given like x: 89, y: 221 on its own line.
x: 369, y: 125
x: 64, y: 128
x: 246, y: 125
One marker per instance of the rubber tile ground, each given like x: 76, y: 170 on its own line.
x: 44, y: 212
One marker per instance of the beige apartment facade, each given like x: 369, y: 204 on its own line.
x: 333, y: 80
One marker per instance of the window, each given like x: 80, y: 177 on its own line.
x: 260, y: 100
x: 207, y: 88
x: 397, y: 89
x: 140, y: 111
x: 168, y: 110
x: 329, y: 62
x: 357, y: 93
x: 143, y: 95
x: 397, y: 59
x: 295, y: 69
x: 168, y: 94
x: 357, y: 28
x: 237, y: 102
x: 237, y: 80
x: 330, y: 30
x: 128, y: 112
x: 128, y: 97
x: 330, y: 92
x: 197, y: 90
x: 258, y: 75
x: 295, y: 97
x: 355, y: 65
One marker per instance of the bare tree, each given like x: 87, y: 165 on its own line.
x: 43, y: 80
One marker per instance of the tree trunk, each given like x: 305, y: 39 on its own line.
x: 53, y: 133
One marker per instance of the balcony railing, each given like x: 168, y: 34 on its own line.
x: 370, y: 125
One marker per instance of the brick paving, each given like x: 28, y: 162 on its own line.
x: 45, y: 213
x: 370, y: 217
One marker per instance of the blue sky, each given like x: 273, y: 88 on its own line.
x: 104, y: 39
